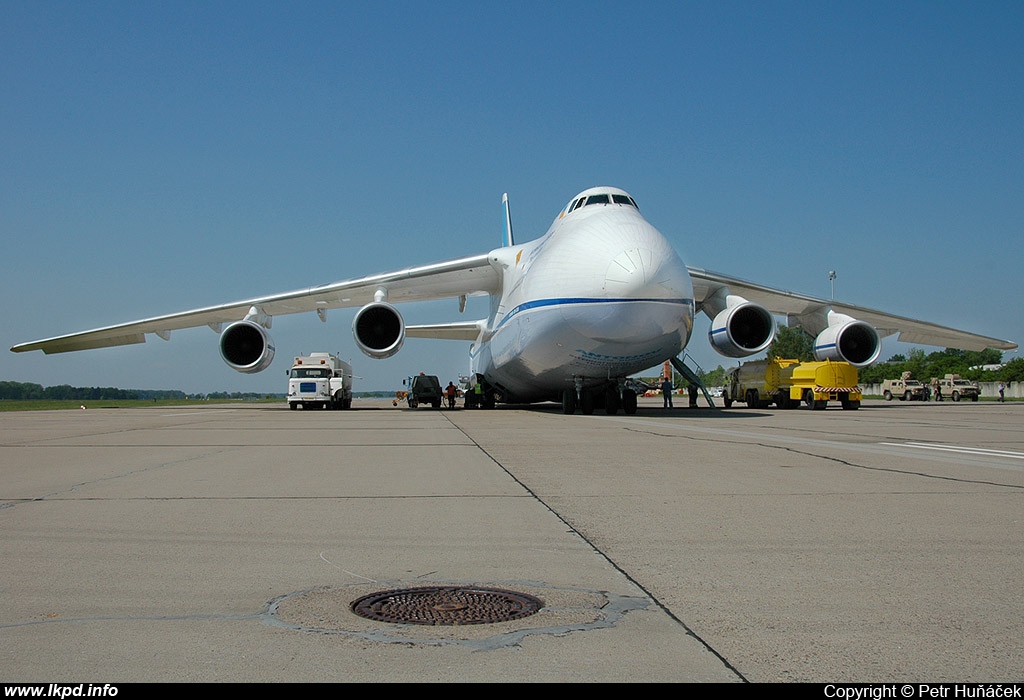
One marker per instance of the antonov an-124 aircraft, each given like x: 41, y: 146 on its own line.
x: 599, y: 297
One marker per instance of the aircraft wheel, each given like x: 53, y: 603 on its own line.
x: 587, y: 402
x: 629, y: 402
x: 569, y: 402
x: 611, y: 401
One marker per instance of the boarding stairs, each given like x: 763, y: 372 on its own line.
x: 691, y: 376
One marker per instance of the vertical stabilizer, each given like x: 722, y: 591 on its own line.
x: 509, y: 240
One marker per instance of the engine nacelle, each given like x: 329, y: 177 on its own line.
x: 379, y: 330
x: 849, y: 340
x: 246, y: 347
x: 741, y: 329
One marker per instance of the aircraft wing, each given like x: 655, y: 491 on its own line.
x: 455, y: 278
x: 811, y: 313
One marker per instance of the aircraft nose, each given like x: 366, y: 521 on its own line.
x: 629, y: 270
x: 641, y: 272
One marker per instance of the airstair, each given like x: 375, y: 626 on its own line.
x: 691, y: 376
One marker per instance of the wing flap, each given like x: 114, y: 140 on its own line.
x: 466, y: 330
x: 52, y: 346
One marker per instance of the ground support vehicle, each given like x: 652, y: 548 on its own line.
x: 790, y: 383
x: 956, y: 387
x: 319, y: 380
x: 424, y: 388
x: 905, y: 389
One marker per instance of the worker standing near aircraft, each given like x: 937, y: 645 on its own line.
x: 451, y: 392
x: 666, y: 392
x: 478, y: 392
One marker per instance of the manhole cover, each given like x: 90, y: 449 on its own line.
x: 448, y: 605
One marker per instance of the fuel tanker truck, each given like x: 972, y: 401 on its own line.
x: 791, y: 383
x: 319, y: 380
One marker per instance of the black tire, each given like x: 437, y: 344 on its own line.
x: 629, y: 402
x: 569, y: 402
x: 587, y: 402
x: 611, y: 401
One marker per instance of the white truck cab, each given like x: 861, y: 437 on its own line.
x: 319, y: 380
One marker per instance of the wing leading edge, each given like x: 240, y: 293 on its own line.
x: 456, y: 278
x: 811, y: 313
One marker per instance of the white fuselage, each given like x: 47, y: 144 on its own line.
x: 600, y: 296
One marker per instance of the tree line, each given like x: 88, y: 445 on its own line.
x: 24, y: 391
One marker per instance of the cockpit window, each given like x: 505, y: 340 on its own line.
x: 607, y: 198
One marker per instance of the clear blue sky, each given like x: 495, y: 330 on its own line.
x: 159, y: 157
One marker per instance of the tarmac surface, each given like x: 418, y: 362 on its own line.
x: 227, y: 543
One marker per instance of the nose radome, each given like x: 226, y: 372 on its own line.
x: 629, y: 271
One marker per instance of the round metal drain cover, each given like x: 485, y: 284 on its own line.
x: 447, y: 605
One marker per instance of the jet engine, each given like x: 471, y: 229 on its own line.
x: 246, y: 347
x: 379, y: 330
x: 849, y: 340
x: 742, y: 328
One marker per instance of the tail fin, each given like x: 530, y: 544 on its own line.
x: 509, y: 240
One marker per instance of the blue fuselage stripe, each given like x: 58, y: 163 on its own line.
x: 570, y: 301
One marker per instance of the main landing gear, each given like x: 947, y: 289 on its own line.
x: 611, y: 397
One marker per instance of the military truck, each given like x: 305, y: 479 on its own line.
x: 956, y: 387
x: 905, y: 389
x: 424, y: 388
x: 791, y: 383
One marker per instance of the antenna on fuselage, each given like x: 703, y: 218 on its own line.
x: 509, y: 240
